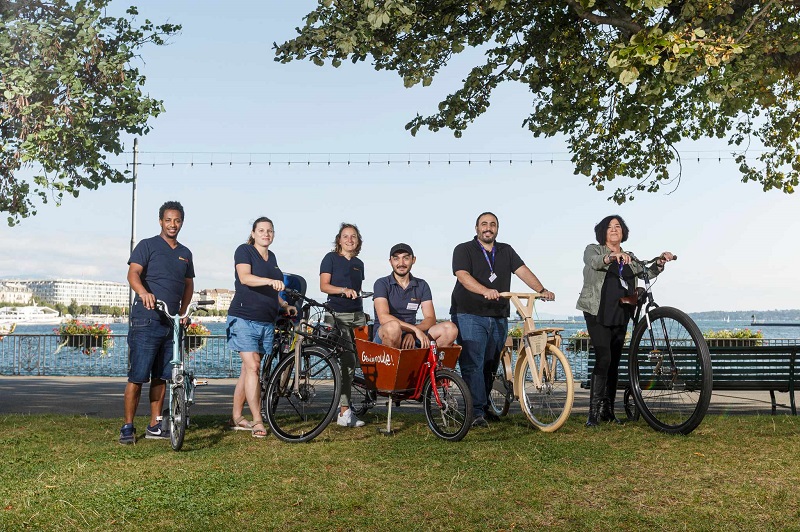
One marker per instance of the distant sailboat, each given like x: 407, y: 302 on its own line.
x: 727, y: 319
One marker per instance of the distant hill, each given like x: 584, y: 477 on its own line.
x: 761, y: 315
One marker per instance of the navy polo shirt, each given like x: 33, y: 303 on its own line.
x: 403, y: 302
x: 255, y: 303
x: 164, y: 274
x: 470, y: 258
x: 346, y: 273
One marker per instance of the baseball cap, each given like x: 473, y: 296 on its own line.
x: 398, y: 248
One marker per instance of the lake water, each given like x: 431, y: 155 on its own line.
x: 36, y: 355
x: 570, y: 328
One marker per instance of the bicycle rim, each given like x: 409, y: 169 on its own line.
x: 670, y: 371
x: 301, y: 415
x: 178, y: 417
x: 548, y: 407
x: 451, y: 418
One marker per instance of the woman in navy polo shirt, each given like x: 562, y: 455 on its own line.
x: 340, y: 276
x: 251, y: 318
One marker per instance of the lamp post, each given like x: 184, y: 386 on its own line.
x: 133, y: 210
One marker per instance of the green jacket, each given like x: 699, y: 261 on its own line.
x: 594, y: 274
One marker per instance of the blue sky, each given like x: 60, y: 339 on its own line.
x: 228, y: 101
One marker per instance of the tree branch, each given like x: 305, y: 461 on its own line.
x: 755, y: 18
x: 627, y: 26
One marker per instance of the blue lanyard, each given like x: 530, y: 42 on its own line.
x: 486, y: 256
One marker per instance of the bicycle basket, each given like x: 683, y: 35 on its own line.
x: 538, y: 341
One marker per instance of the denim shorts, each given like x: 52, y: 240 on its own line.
x: 149, y: 350
x: 247, y: 336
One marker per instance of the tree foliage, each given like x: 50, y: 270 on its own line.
x: 68, y: 91
x: 623, y: 80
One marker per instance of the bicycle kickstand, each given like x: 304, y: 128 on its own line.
x: 388, y: 430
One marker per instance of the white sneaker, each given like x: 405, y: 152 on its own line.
x: 348, y: 419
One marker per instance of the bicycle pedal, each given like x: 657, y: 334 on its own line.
x: 201, y: 382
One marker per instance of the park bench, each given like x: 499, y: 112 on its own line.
x: 740, y: 368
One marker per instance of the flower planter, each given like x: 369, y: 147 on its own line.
x: 193, y: 343
x: 733, y: 342
x: 579, y: 344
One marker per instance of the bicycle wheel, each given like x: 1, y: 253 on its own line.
x: 299, y: 405
x: 548, y: 407
x: 499, y: 400
x: 670, y: 371
x: 178, y: 416
x: 362, y: 399
x: 450, y: 418
x: 631, y: 411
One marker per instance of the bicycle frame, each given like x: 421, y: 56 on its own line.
x: 529, y: 331
x: 646, y: 303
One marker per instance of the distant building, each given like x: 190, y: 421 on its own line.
x: 222, y: 297
x: 64, y: 291
x: 15, y: 293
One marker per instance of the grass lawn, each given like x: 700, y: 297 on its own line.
x: 739, y: 472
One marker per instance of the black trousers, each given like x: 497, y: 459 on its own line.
x: 607, y: 342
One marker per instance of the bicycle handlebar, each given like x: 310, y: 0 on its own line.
x: 646, y: 262
x: 535, y: 295
x: 161, y: 306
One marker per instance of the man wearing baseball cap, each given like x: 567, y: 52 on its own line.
x: 397, y: 299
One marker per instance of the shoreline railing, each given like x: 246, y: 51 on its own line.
x: 44, y: 355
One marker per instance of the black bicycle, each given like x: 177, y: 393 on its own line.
x: 669, y: 364
x: 300, y: 395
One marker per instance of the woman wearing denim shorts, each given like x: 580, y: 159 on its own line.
x: 251, y: 319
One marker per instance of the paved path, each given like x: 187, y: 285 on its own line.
x: 102, y: 397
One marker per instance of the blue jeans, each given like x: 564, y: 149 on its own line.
x: 149, y: 350
x: 481, y: 339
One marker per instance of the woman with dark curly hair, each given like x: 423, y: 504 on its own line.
x: 608, y: 275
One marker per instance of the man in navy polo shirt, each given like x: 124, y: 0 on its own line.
x: 397, y: 299
x: 159, y: 268
x: 483, y: 269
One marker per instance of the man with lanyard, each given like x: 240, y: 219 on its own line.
x: 397, y: 299
x: 159, y: 268
x: 483, y: 269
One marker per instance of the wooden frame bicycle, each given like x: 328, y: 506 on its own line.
x: 541, y: 379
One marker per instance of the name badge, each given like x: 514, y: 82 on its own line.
x: 412, y: 306
x: 492, y: 277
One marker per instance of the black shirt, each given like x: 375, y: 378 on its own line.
x: 470, y: 257
x: 612, y: 313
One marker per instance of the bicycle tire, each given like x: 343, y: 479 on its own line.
x: 672, y: 401
x: 452, y: 419
x: 499, y: 401
x: 362, y: 398
x: 302, y: 416
x: 631, y: 412
x: 548, y: 407
x: 178, y: 416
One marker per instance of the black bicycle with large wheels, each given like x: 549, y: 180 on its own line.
x: 301, y: 393
x: 668, y: 362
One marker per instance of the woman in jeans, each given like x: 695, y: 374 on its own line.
x: 340, y: 276
x: 251, y: 319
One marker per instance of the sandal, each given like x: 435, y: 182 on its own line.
x: 259, y: 432
x: 240, y: 423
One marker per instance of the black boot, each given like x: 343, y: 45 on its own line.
x: 596, y: 392
x: 606, y: 414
